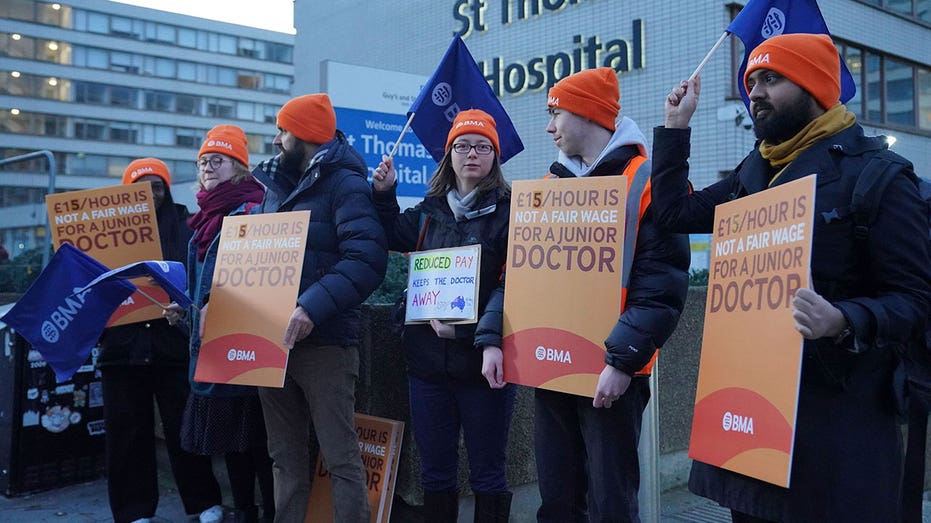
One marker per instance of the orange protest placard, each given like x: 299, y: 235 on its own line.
x: 563, y: 286
x: 380, y: 447
x: 253, y: 293
x: 751, y: 356
x: 116, y: 226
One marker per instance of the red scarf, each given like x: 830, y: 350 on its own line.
x: 216, y: 204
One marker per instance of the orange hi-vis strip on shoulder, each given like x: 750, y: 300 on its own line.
x: 639, y: 197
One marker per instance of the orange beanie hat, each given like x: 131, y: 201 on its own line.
x: 229, y: 140
x: 591, y: 94
x: 309, y: 117
x: 474, y: 121
x: 145, y: 166
x: 810, y: 61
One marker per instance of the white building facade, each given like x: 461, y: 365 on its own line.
x: 100, y: 83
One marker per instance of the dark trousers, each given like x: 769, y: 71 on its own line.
x: 130, y: 443
x: 319, y: 388
x: 243, y: 469
x: 438, y: 410
x: 587, y: 463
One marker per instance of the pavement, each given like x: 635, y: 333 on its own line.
x: 87, y: 503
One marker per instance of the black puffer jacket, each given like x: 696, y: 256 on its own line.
x: 346, y: 253
x: 153, y: 342
x: 658, y: 281
x: 429, y: 357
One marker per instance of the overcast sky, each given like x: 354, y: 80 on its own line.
x: 277, y: 15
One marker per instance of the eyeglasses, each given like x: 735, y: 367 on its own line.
x: 481, y: 149
x: 215, y: 162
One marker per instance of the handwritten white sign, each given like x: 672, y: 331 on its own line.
x: 442, y: 284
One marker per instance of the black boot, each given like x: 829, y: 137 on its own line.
x: 492, y: 508
x: 441, y: 507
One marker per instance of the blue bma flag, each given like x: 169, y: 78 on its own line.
x: 762, y: 19
x: 60, y: 322
x: 169, y: 275
x: 458, y: 85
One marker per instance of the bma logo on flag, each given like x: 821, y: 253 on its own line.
x: 61, y: 317
x: 774, y: 23
x: 442, y: 94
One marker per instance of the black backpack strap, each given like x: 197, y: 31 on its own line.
x: 868, y: 191
x: 914, y: 474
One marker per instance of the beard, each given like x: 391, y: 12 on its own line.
x: 784, y: 123
x: 291, y: 161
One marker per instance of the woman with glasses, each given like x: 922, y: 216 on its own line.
x: 222, y: 419
x: 455, y: 370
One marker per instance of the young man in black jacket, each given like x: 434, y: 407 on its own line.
x: 586, y: 450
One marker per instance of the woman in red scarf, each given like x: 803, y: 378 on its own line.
x: 224, y: 419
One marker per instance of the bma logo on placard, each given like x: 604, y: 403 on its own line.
x: 737, y: 423
x: 549, y: 354
x: 774, y: 23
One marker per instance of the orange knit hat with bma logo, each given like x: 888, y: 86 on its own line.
x: 146, y: 166
x: 310, y: 117
x: 474, y: 121
x: 810, y: 61
x: 591, y: 94
x: 229, y: 140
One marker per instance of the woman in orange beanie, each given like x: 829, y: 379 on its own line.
x: 455, y: 370
x: 143, y: 361
x: 224, y: 420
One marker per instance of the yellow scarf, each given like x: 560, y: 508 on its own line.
x: 835, y: 120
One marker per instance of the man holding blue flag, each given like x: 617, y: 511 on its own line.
x: 145, y: 361
x: 871, y: 284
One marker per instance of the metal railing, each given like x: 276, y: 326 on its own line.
x: 51, y: 190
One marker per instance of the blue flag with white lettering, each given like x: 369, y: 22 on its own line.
x: 169, y: 275
x: 458, y: 85
x: 762, y: 19
x: 60, y: 322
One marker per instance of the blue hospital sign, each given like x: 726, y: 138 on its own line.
x: 374, y: 134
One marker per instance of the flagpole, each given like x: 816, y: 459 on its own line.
x: 708, y: 56
x: 151, y: 299
x: 398, y: 143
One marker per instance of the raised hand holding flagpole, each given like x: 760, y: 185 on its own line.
x: 397, y: 144
x: 763, y: 19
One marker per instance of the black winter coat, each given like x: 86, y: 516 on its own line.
x: 430, y: 357
x: 658, y: 282
x: 346, y: 253
x: 847, y: 457
x: 153, y: 342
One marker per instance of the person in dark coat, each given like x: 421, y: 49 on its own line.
x: 146, y: 360
x: 220, y: 419
x: 586, y: 448
x: 847, y: 461
x: 344, y: 261
x: 448, y: 365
